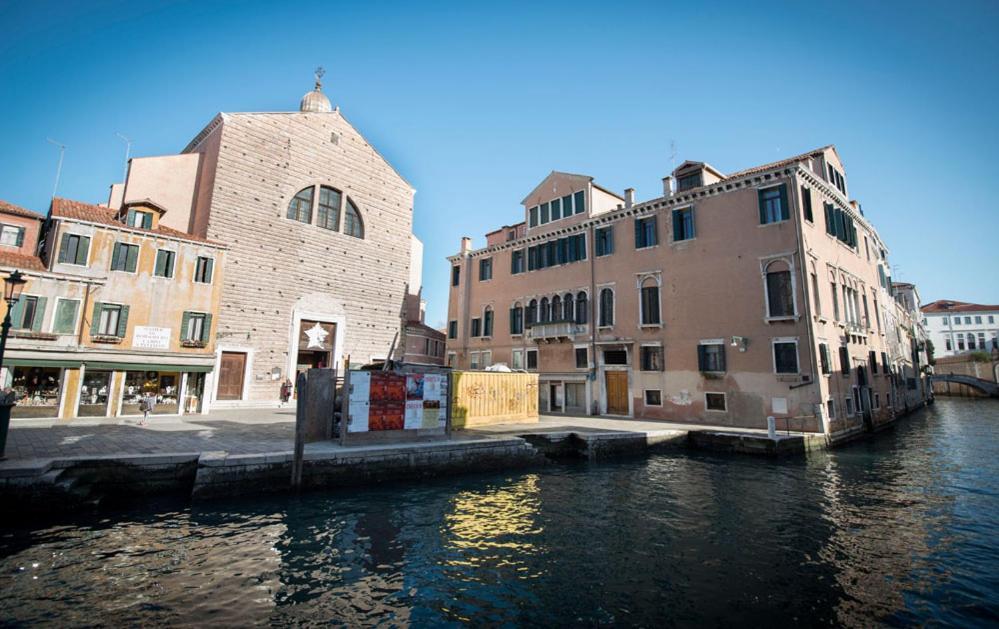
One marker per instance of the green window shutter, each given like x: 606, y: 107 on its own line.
x: 82, y: 250
x: 130, y: 219
x: 638, y: 233
x: 677, y: 220
x: 20, y: 237
x: 785, y: 211
x: 17, y: 313
x: 123, y: 322
x: 147, y: 220
x: 95, y: 319
x: 64, y: 248
x: 115, y: 255
x: 580, y: 202
x: 36, y: 325
x: 206, y: 330
x: 209, y: 267
x: 185, y: 321
x: 133, y: 258
x: 161, y: 260
x: 760, y: 202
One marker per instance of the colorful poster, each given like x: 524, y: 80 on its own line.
x: 433, y: 401
x: 388, y: 401
x: 414, y: 414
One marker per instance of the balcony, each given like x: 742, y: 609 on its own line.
x: 555, y: 330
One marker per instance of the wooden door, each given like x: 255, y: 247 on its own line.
x: 231, y: 370
x: 617, y: 392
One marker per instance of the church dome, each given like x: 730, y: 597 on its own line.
x: 315, y: 100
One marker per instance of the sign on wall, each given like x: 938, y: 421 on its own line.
x: 147, y: 337
x: 388, y: 401
x: 316, y: 336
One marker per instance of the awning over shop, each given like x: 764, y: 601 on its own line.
x: 147, y: 367
x: 39, y: 362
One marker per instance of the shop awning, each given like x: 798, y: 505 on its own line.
x: 147, y: 367
x: 39, y: 362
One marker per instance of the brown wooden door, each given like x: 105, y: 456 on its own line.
x: 231, y: 375
x: 617, y: 392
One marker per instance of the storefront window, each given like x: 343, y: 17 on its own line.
x: 94, y: 394
x: 194, y: 393
x: 163, y: 387
x: 37, y: 391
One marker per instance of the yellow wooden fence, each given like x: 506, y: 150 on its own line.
x: 482, y: 398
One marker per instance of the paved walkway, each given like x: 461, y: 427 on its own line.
x: 248, y: 431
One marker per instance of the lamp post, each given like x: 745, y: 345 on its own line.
x: 12, y: 287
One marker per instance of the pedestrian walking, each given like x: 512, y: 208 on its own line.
x: 285, y: 391
x: 147, y: 405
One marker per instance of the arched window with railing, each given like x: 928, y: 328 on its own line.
x: 532, y: 312
x: 556, y: 308
x: 582, y: 307
x: 546, y: 313
x: 606, y: 307
x: 567, y: 307
x: 300, y: 207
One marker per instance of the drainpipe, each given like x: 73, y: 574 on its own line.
x: 592, y: 318
x: 805, y: 301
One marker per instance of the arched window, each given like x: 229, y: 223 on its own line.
x: 546, y: 314
x: 487, y: 321
x: 556, y: 308
x: 517, y: 319
x: 328, y: 216
x: 780, y: 293
x: 650, y: 302
x: 567, y: 307
x: 606, y: 307
x: 300, y: 208
x: 532, y: 312
x: 582, y: 307
x: 352, y: 224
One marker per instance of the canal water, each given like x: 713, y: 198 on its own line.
x: 899, y: 529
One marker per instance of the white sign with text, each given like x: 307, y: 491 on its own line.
x: 147, y: 337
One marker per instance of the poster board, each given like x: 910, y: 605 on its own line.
x: 382, y: 401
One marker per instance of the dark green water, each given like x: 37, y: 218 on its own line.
x: 900, y: 529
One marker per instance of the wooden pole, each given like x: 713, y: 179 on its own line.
x: 296, y: 463
x: 447, y: 403
x: 345, y: 402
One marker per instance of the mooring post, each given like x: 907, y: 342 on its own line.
x: 301, y: 402
x: 345, y: 403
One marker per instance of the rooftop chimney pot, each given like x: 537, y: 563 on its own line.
x: 629, y: 197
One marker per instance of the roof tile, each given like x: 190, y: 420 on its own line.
x: 67, y: 208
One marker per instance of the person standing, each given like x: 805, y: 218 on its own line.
x: 147, y: 405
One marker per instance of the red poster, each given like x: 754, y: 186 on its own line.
x: 388, y: 401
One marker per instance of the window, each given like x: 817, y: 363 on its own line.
x: 352, y: 224
x: 142, y: 220
x: 517, y: 262
x: 715, y: 402
x: 556, y: 252
x: 992, y: 319
x: 546, y: 311
x: 582, y: 308
x: 815, y: 295
x: 606, y: 308
x: 786, y: 356
x: 872, y: 359
x: 651, y: 358
x: 840, y: 224
x: 487, y: 322
x: 582, y: 358
x: 27, y: 313
x: 532, y: 359
x: 604, y: 241
x: 452, y: 329
x: 711, y: 356
x: 545, y: 213
x: 300, y: 208
x: 476, y: 327
x: 203, y: 270
x: 11, y: 236
x: 473, y: 360
x: 556, y: 209
x: 452, y: 359
x: 877, y: 401
x: 532, y: 215
x: 328, y: 216
x: 516, y: 319
x: 686, y: 182
x: 196, y: 326
x: 773, y: 204
x: 780, y: 293
x: 844, y: 361
x: 124, y: 257
x: 806, y: 204
x: 960, y: 342
x: 517, y: 359
x: 645, y: 232
x: 653, y: 397
x: 650, y: 302
x: 485, y: 269
x: 65, y: 316
x: 580, y: 199
x: 531, y: 315
x: 567, y: 312
x: 74, y: 249
x: 683, y: 224
x: 487, y: 359
x: 831, y: 408
x: 109, y: 320
x: 455, y: 275
x: 978, y: 320
x: 164, y: 263
x: 849, y: 405
x: 967, y: 320
x: 835, y: 295
x: 824, y: 358
x: 971, y: 340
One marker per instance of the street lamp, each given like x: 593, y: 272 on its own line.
x: 12, y: 287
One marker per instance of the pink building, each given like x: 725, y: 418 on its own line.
x: 726, y: 300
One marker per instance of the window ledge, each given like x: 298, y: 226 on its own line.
x: 681, y: 242
x: 713, y: 375
x: 651, y: 326
x: 190, y: 343
x: 646, y: 247
x: 35, y: 336
x: 780, y: 222
x: 782, y: 319
x: 103, y: 338
x: 821, y: 319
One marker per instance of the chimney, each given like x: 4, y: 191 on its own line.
x: 629, y: 197
x: 667, y: 186
x: 466, y: 244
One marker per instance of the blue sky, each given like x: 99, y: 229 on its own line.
x: 474, y: 104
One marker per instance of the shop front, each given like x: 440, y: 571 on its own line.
x: 118, y: 389
x: 39, y: 385
x: 95, y: 393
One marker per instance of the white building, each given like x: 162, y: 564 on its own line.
x: 956, y: 327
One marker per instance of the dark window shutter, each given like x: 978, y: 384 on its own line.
x: 824, y: 357
x: 64, y: 248
x: 785, y: 211
x: 83, y: 250
x: 133, y: 258
x: 95, y: 319
x: 873, y: 358
x: 638, y: 234
x: 677, y: 225
x: 17, y: 313
x: 721, y: 357
x: 36, y: 324
x: 209, y: 267
x: 762, y: 205
x: 160, y: 269
x: 20, y: 237
x: 130, y: 218
x: 185, y: 321
x: 844, y: 361
x: 123, y: 321
x: 702, y: 358
x: 206, y: 330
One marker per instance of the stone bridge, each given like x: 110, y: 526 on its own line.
x: 985, y: 386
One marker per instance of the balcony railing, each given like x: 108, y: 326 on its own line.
x: 548, y: 330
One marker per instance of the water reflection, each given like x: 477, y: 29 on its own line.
x: 899, y: 529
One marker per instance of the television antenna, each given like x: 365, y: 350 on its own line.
x: 62, y: 152
x: 128, y: 152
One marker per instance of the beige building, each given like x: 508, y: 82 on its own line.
x: 730, y: 298
x: 319, y: 230
x: 116, y: 307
